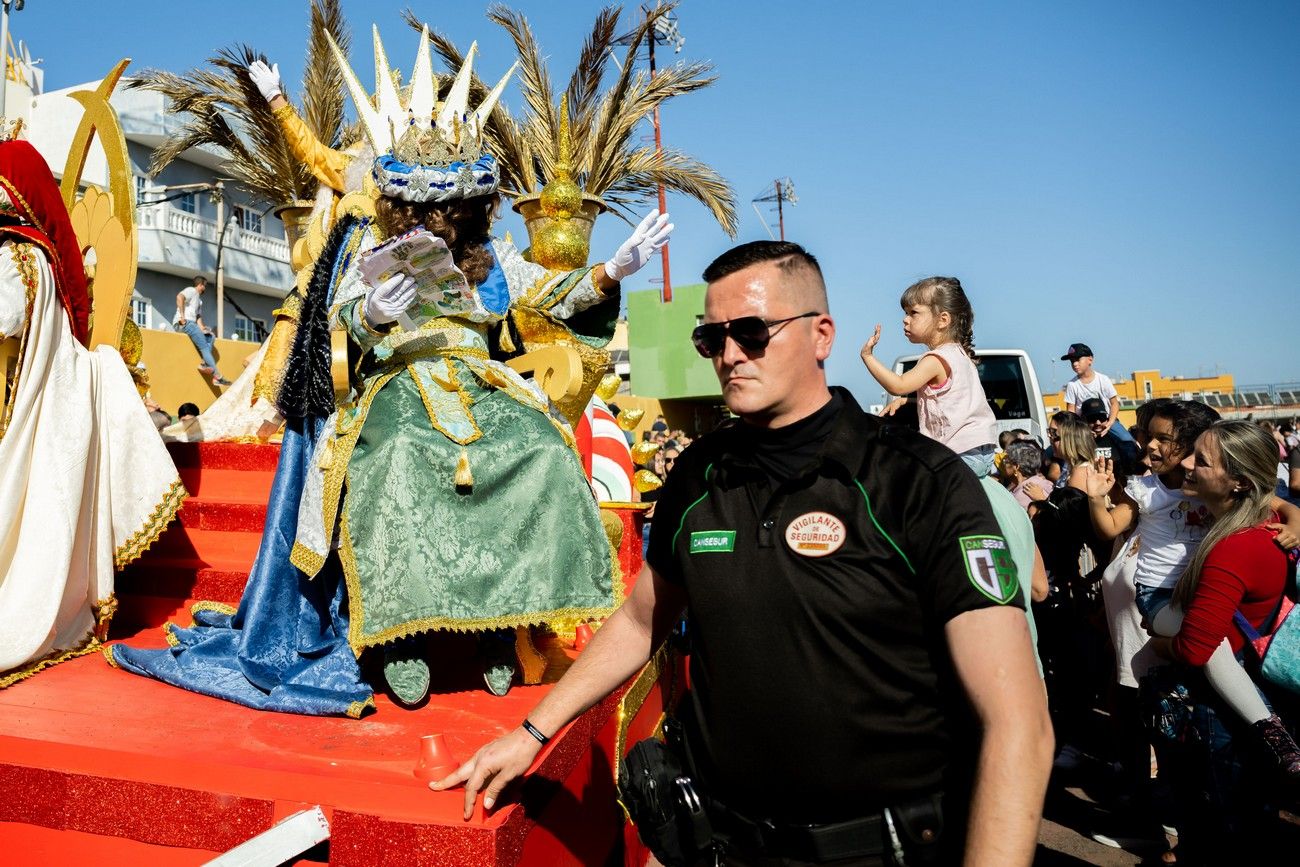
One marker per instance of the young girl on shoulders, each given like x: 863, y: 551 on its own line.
x: 950, y: 399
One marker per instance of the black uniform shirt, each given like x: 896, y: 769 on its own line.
x: 822, y: 689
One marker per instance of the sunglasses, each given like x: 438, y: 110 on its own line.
x: 751, y: 333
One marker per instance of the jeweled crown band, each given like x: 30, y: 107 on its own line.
x: 426, y: 183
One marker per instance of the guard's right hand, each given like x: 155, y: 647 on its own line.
x: 266, y: 79
x: 385, y: 301
x: 492, y: 768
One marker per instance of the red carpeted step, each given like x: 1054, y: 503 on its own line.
x: 139, y: 615
x: 251, y: 457
x: 225, y: 549
x: 227, y: 484
x: 180, y: 579
x: 200, y: 513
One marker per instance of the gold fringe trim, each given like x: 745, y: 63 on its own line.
x: 25, y: 261
x: 306, y: 559
x: 172, y: 640
x: 219, y: 607
x: 107, y: 650
x: 357, y: 708
x: 89, y: 645
x: 142, y: 539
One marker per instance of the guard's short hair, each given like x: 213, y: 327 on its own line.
x: 200, y: 279
x: 790, y: 258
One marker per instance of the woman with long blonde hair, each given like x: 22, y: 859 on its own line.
x: 1238, y: 566
x: 1075, y: 448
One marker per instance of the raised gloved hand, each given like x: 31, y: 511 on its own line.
x: 650, y: 235
x: 387, y: 300
x: 266, y: 79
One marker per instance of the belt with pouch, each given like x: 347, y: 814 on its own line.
x: 909, y: 830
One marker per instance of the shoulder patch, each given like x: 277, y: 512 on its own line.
x: 989, y: 567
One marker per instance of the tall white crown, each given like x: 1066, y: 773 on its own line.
x: 388, y: 120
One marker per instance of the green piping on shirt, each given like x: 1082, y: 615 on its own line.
x: 682, y: 522
x: 888, y: 538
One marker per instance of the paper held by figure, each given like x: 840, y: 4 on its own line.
x: 441, y: 287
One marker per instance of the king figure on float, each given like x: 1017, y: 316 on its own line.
x: 446, y: 489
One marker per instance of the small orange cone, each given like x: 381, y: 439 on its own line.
x: 436, y: 760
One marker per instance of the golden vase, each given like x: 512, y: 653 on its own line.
x: 559, y: 243
x: 295, y: 217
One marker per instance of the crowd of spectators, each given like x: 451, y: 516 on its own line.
x: 1152, y: 542
x: 671, y: 445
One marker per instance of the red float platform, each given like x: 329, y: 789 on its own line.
x: 99, y: 764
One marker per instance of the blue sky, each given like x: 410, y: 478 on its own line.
x: 1120, y: 174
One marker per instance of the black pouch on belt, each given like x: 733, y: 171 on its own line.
x: 917, y: 829
x: 659, y: 795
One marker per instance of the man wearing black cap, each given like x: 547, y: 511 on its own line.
x: 1109, y: 444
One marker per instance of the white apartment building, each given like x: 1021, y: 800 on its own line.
x: 178, y: 239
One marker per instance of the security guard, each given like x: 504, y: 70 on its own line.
x: 862, y: 692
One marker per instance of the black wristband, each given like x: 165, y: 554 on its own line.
x: 535, y: 732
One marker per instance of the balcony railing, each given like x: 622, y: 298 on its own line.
x: 163, y: 216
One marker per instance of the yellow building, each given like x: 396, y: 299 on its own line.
x: 1149, y: 384
x: 1144, y: 385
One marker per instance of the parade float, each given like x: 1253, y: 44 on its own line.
x: 95, y: 763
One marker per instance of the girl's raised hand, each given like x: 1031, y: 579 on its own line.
x: 870, y: 345
x: 1100, y: 482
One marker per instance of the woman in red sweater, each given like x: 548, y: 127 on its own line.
x: 1237, y: 566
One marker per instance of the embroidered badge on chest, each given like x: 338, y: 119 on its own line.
x: 815, y: 534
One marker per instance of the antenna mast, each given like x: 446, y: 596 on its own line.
x: 781, y: 191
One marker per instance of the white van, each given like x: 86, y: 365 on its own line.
x: 1010, y: 385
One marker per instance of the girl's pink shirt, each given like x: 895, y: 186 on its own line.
x: 956, y: 412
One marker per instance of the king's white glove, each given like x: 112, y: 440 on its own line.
x: 650, y: 235
x: 266, y: 79
x: 385, y: 302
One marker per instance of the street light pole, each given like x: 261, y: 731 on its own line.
x: 659, y: 154
x: 217, y: 189
x: 219, y: 199
x: 780, y: 212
